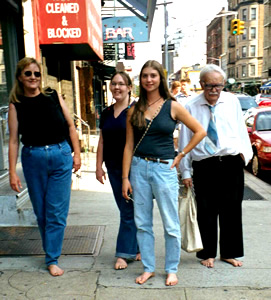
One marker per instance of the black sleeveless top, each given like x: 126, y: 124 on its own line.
x: 41, y: 122
x: 158, y: 142
x: 114, y: 136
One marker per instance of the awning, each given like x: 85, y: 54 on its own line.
x: 104, y: 71
x: 144, y: 9
x: 266, y: 86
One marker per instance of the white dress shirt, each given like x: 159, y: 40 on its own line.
x: 231, y: 129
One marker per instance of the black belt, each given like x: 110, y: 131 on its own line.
x: 155, y: 160
x: 223, y: 158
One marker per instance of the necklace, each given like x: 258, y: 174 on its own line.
x: 153, y: 103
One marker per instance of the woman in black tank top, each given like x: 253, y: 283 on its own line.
x: 46, y: 156
x: 149, y: 166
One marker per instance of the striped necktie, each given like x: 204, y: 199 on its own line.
x: 212, y: 138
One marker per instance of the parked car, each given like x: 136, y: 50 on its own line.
x: 261, y: 97
x: 265, y: 102
x: 246, y: 101
x: 259, y: 130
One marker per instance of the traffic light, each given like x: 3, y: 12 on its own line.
x: 237, y: 27
x: 241, y: 27
x: 234, y: 26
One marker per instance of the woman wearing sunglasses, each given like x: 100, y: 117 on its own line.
x: 46, y: 156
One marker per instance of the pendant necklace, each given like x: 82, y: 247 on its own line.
x: 153, y: 103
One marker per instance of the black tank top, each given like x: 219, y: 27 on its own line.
x: 158, y: 142
x: 41, y: 122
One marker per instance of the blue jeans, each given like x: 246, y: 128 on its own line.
x: 156, y: 180
x: 126, y: 241
x: 47, y: 172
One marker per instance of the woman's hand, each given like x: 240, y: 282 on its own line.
x: 100, y: 175
x: 126, y: 188
x: 176, y: 161
x: 15, y: 182
x: 76, y: 163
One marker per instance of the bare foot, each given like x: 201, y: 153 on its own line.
x: 120, y: 264
x: 232, y: 261
x: 138, y: 256
x: 171, y: 279
x: 209, y: 263
x: 144, y: 277
x: 54, y: 270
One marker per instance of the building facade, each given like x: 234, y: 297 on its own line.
x: 245, y: 55
x: 266, y: 71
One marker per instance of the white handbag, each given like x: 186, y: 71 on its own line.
x: 191, y: 239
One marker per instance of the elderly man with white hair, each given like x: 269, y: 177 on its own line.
x: 215, y: 167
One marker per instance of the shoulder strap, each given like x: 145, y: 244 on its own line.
x: 149, y: 125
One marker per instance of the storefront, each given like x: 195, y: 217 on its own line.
x: 11, y: 50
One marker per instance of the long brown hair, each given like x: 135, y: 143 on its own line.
x: 138, y: 118
x: 18, y: 88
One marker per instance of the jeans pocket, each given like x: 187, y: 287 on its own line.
x: 164, y: 166
x: 135, y: 161
x: 66, y: 149
x: 26, y: 151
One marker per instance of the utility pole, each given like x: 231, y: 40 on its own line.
x: 165, y: 35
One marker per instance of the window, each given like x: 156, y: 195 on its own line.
x: 253, y: 13
x: 244, y: 14
x: 252, y: 70
x: 252, y: 50
x: 253, y: 32
x: 244, y: 35
x: 237, y: 53
x: 244, y: 51
x: 244, y: 71
x: 3, y: 77
x: 237, y: 73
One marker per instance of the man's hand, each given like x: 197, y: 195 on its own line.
x: 188, y: 182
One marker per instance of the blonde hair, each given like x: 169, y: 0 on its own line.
x: 138, y: 118
x: 18, y: 88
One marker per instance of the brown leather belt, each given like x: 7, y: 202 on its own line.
x: 155, y: 160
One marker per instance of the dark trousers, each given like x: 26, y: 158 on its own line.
x: 126, y: 241
x: 219, y: 187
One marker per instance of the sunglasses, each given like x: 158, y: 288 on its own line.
x: 29, y: 73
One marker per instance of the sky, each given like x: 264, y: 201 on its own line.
x: 191, y: 17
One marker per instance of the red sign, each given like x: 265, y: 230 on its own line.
x: 130, y: 51
x: 71, y: 22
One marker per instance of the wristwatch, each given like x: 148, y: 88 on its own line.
x: 183, y: 153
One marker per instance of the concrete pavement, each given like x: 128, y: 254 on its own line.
x: 94, y: 278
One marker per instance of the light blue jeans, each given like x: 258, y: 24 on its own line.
x: 47, y: 172
x: 156, y: 180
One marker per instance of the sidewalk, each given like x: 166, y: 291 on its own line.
x: 94, y: 278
